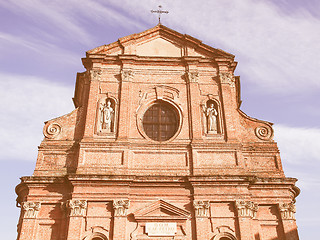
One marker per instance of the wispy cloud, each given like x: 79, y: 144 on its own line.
x: 298, y: 145
x: 12, y: 42
x: 277, y: 52
x: 27, y: 102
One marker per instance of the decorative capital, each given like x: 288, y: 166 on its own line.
x: 192, y: 76
x: 31, y: 209
x: 126, y: 75
x: 227, y: 78
x: 120, y: 207
x: 95, y: 74
x: 201, y: 208
x: 287, y: 210
x: 77, y: 208
x: 246, y: 208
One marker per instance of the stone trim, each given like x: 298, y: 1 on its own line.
x: 287, y: 210
x: 246, y: 208
x: 77, y: 208
x: 120, y: 207
x: 201, y: 208
x: 31, y: 209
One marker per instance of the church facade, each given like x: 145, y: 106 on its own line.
x: 157, y: 148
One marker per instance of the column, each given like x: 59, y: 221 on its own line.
x: 202, y: 213
x: 247, y: 210
x: 29, y: 224
x: 287, y: 211
x: 77, y: 210
x: 120, y: 219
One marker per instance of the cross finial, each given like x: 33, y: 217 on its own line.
x: 159, y: 11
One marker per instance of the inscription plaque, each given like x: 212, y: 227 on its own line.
x: 161, y: 229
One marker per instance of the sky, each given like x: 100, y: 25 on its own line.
x: 276, y: 44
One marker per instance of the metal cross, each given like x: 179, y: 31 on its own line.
x: 159, y: 11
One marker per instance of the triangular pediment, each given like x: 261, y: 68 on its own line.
x: 160, y: 41
x: 161, y: 210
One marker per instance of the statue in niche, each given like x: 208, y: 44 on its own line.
x: 211, y: 117
x: 106, y: 116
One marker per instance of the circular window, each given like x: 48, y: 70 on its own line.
x: 160, y: 121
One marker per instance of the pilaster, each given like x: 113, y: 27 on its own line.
x: 287, y: 211
x: 125, y: 103
x: 201, y: 213
x: 29, y: 224
x: 120, y: 208
x: 77, y: 210
x: 193, y: 94
x: 247, y: 211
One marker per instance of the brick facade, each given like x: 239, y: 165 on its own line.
x: 99, y: 175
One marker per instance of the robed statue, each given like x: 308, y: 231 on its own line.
x: 211, y: 118
x: 106, y: 117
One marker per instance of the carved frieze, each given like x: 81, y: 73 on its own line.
x: 192, y: 76
x: 127, y: 75
x: 287, y: 210
x: 201, y: 208
x: 227, y: 78
x: 52, y: 130
x: 120, y: 207
x: 246, y: 208
x: 31, y: 209
x: 77, y: 208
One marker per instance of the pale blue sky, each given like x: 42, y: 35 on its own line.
x: 276, y: 43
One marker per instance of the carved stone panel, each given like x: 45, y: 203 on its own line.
x: 31, y: 209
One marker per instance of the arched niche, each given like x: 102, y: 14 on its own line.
x: 211, y: 117
x: 107, y: 115
x: 224, y: 236
x: 96, y: 235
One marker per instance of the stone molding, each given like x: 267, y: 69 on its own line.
x: 126, y: 75
x: 287, y: 210
x: 192, y: 76
x: 31, y: 209
x: 120, y: 207
x: 201, y: 208
x: 227, y: 78
x: 77, y: 208
x: 246, y: 208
